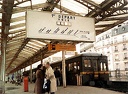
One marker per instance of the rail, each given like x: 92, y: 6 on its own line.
x: 118, y: 75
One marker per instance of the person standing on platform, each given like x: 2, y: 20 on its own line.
x: 51, y: 77
x: 8, y: 79
x: 57, y: 75
x: 12, y: 77
x: 34, y: 77
x: 40, y: 75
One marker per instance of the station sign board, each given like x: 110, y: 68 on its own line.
x: 62, y: 47
x: 70, y: 53
x: 47, y: 25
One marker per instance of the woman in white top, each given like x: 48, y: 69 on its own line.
x: 50, y: 76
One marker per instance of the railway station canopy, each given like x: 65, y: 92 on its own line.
x: 22, y: 51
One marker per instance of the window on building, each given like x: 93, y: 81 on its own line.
x: 102, y: 37
x: 107, y: 36
x: 116, y: 48
x: 115, y: 40
x: 108, y: 42
x: 103, y: 43
x: 111, y: 42
x: 125, y: 56
x: 126, y: 66
x: 123, y: 28
x: 124, y: 37
x: 108, y: 58
x: 108, y: 51
x: 116, y: 31
x: 99, y: 39
x: 116, y: 57
x: 117, y: 65
x: 124, y: 47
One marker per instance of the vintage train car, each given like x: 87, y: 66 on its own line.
x: 85, y: 69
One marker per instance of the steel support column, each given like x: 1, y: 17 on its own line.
x: 41, y: 58
x: 31, y: 73
x: 3, y: 56
x: 63, y: 69
x: 6, y: 16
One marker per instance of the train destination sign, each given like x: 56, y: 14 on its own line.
x: 61, y: 47
x: 47, y: 25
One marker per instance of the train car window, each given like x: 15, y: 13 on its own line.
x: 95, y: 65
x: 87, y: 63
x: 73, y: 67
x: 78, y: 67
x: 69, y: 67
x: 103, y: 66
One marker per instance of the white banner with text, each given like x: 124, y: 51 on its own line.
x: 47, y: 25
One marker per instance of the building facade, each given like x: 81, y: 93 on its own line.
x: 114, y: 44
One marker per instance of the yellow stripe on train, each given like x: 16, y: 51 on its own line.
x: 101, y: 72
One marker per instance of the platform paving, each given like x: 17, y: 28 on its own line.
x: 12, y: 89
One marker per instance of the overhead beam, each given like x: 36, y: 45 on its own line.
x: 13, y: 45
x: 43, y: 5
x: 24, y: 57
x: 20, y: 2
x: 109, y: 27
x: 51, y: 5
x: 17, y: 53
x: 21, y: 34
x: 21, y: 18
x: 11, y: 42
x: 17, y: 31
x: 105, y: 6
x: 32, y: 45
x: 37, y: 58
x: 11, y: 52
x: 27, y: 51
x: 115, y: 7
x: 67, y: 10
x: 16, y: 40
x: 12, y: 48
x: 92, y: 3
x: 116, y: 18
x: 17, y: 26
x: 92, y: 8
x: 31, y: 58
x: 103, y: 25
x: 23, y: 9
x: 32, y: 50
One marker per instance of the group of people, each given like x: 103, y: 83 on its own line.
x: 42, y: 73
x: 14, y: 79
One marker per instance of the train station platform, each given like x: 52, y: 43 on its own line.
x: 13, y: 89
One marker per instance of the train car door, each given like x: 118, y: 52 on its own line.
x: 95, y: 69
x: 103, y: 70
x: 72, y: 70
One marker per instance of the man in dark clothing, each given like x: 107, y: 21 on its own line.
x: 12, y: 77
x: 57, y: 75
x: 8, y: 78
